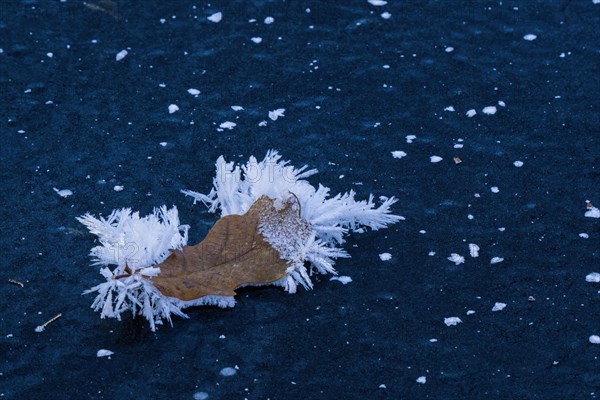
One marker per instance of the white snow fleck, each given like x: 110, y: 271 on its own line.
x: 262, y: 123
x: 163, y: 144
x: 49, y: 55
x: 118, y: 188
x: 343, y: 279
x: 398, y: 154
x: 473, y: 250
x: 377, y: 3
x: 456, y: 258
x: 518, y: 164
x: 495, y: 189
x: 237, y: 108
x: 228, y: 125
x: 459, y: 146
x: 435, y: 159
x: 433, y: 340
x: 489, y: 110
x: 449, y: 108
x: 269, y: 20
x: 256, y: 39
x: 530, y: 37
x: 499, y: 307
x: 63, y: 192
x: 382, y: 386
x: 193, y: 92
x: 584, y: 235
x: 596, y: 1
x: 200, y: 396
x: 593, y: 212
x: 385, y: 256
x: 121, y: 55
x: 173, y: 108
x: 386, y: 15
x: 410, y: 138
x: 216, y: 17
x: 421, y: 379
x: 501, y: 103
x: 593, y: 277
x: 452, y: 321
x: 40, y: 328
x: 104, y: 353
x: 449, y: 49
x: 431, y: 253
x: 471, y: 113
x: 470, y: 216
x: 496, y: 260
x: 276, y: 114
x: 595, y: 339
x: 228, y: 371
x: 470, y: 312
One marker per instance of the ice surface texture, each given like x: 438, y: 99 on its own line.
x: 133, y: 245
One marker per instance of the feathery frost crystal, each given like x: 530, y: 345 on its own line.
x: 134, y: 245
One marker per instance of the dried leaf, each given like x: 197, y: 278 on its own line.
x: 233, y: 254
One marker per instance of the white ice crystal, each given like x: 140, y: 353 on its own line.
x: 237, y: 187
x: 133, y: 244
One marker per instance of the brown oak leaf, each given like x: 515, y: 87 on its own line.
x: 233, y: 254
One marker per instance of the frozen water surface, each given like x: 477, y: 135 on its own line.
x: 313, y: 85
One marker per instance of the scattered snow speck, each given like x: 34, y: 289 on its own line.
x: 276, y: 114
x: 449, y: 49
x: 530, y: 37
x: 593, y: 277
x: 471, y: 113
x: 449, y: 108
x: 410, y: 138
x: 499, y: 307
x: 596, y: 1
x: 435, y: 159
x: 269, y: 20
x: 496, y: 260
x: 595, y: 339
x: 385, y: 256
x: 518, y: 164
x: 473, y: 250
x: 104, y: 353
x: 495, y: 189
x: 452, y: 321
x: 593, y: 212
x: 398, y: 154
x: 470, y: 312
x: 386, y: 15
x: 118, y: 188
x: 163, y: 144
x: 433, y: 340
x: 237, y: 108
x: 228, y: 125
x: 256, y: 39
x: 456, y: 258
x: 173, y: 108
x: 262, y: 123
x: 200, y: 396
x: 216, y: 17
x: 343, y: 279
x: 382, y: 386
x: 489, y: 110
x: 49, y: 55
x: 228, y: 371
x: 421, y: 379
x: 377, y: 3
x: 431, y: 253
x: 584, y: 235
x: 63, y: 192
x: 121, y: 55
x: 193, y: 92
x: 501, y: 103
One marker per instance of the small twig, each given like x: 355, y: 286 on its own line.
x: 41, y: 328
x: 299, y: 205
x: 15, y: 282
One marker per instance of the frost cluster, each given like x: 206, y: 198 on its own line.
x: 131, y: 246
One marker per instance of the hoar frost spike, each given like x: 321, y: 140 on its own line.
x: 274, y: 228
